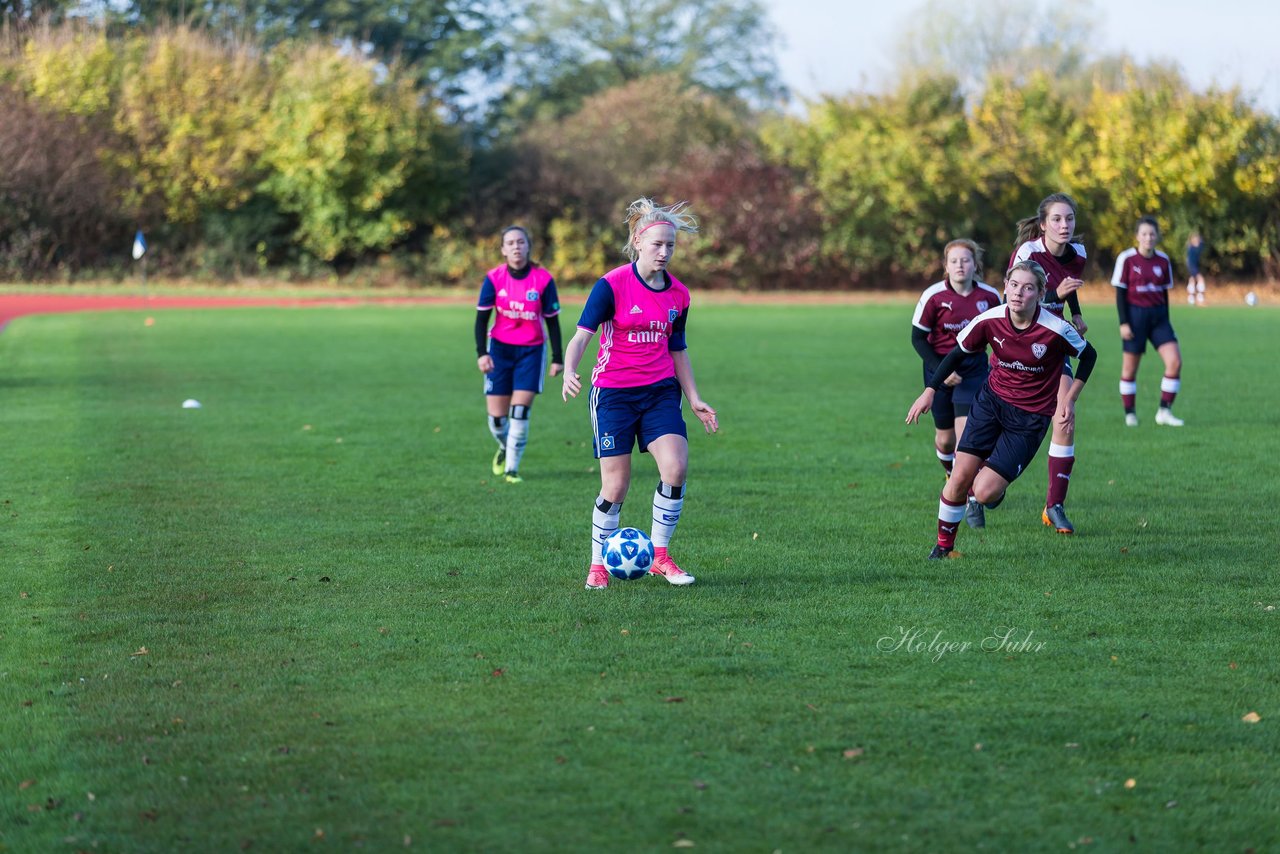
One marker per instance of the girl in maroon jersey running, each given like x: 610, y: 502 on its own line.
x: 944, y: 309
x: 1048, y: 238
x: 1013, y: 411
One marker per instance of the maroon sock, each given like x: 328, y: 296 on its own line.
x: 1059, y: 477
x: 946, y: 524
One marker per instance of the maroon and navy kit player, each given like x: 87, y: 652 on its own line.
x: 513, y: 358
x: 943, y: 310
x: 642, y: 369
x: 1143, y: 278
x: 1047, y: 239
x: 1019, y: 401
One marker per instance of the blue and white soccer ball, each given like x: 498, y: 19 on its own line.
x: 628, y: 553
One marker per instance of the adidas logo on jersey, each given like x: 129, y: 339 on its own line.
x: 502, y: 293
x: 635, y: 309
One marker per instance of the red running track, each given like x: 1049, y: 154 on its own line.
x: 17, y: 305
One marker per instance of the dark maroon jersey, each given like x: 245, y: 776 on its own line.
x: 1069, y: 266
x: 1145, y: 281
x: 943, y: 313
x: 1026, y: 363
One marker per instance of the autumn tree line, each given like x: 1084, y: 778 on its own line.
x: 390, y: 142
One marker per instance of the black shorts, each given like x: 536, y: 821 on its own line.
x: 1003, y: 435
x: 1148, y: 324
x: 952, y: 402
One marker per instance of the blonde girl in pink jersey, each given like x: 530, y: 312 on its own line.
x: 641, y: 373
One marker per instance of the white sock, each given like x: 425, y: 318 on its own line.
x: 604, y: 521
x: 668, y: 501
x: 517, y: 435
x: 498, y: 427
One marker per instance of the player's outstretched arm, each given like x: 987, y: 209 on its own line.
x: 699, y: 407
x: 922, y: 405
x: 572, y: 356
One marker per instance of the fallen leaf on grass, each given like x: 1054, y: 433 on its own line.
x: 26, y: 784
x: 24, y: 595
x: 1130, y: 783
x: 673, y: 699
x: 682, y: 843
x: 853, y: 753
x: 501, y: 671
x: 1252, y: 718
x: 142, y: 650
x: 1232, y: 665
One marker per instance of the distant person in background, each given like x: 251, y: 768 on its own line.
x: 1195, y: 279
x: 1143, y: 278
x: 641, y: 372
x: 944, y: 309
x: 514, y: 355
x: 1048, y: 238
x: 1019, y: 400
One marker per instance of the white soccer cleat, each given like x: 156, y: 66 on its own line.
x: 1166, y: 417
x: 1131, y: 419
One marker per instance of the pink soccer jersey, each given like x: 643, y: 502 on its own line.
x: 1070, y: 266
x: 943, y: 313
x: 1145, y: 281
x: 1026, y: 364
x: 521, y: 304
x: 637, y: 338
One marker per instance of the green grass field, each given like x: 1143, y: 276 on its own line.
x: 305, y: 617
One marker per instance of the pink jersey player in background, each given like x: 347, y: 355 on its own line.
x: 1029, y: 346
x: 642, y: 370
x: 1049, y: 239
x: 513, y: 356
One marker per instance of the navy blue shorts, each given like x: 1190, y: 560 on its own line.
x: 1148, y: 324
x: 515, y: 367
x: 952, y: 402
x: 1002, y: 434
x: 621, y: 416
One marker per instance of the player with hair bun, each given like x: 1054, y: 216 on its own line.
x: 514, y: 356
x: 643, y: 367
x: 1021, y: 398
x: 1049, y: 239
x: 944, y: 309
